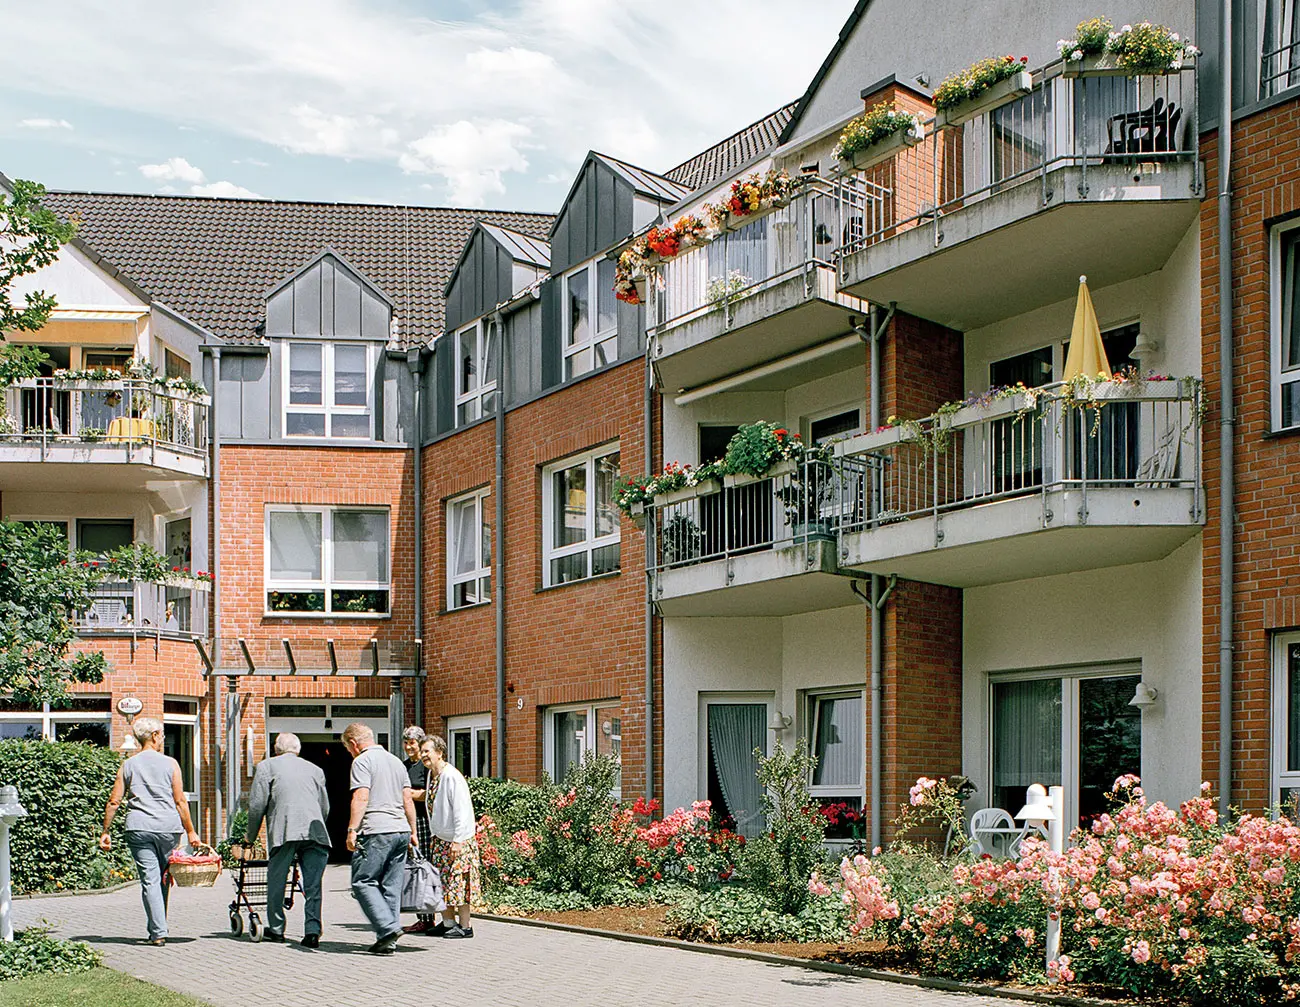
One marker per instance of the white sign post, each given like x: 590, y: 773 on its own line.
x: 10, y: 812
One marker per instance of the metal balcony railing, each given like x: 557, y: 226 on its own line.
x: 126, y: 414
x: 1279, y: 61
x: 138, y: 608
x: 790, y: 241
x: 1145, y: 438
x: 1082, y: 122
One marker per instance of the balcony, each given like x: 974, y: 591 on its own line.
x: 133, y: 431
x: 1000, y: 215
x: 756, y: 546
x: 760, y: 291
x: 1029, y: 486
x: 138, y: 608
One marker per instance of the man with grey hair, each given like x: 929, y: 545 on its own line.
x: 289, y: 795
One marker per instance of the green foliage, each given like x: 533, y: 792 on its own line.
x: 1149, y: 48
x: 976, y: 79
x: 17, y: 362
x: 34, y: 951
x: 30, y: 237
x: 781, y: 861
x: 753, y: 449
x: 64, y: 787
x: 879, y: 123
x: 734, y: 913
x: 584, y: 845
x: 39, y: 589
x: 1090, y: 39
x: 511, y: 805
x: 238, y: 833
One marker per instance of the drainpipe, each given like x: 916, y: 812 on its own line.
x: 215, y: 537
x: 878, y: 595
x: 415, y: 364
x: 499, y: 493
x: 1227, y: 413
x: 649, y: 588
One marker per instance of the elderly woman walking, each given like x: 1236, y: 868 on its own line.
x: 412, y: 738
x: 156, y: 812
x: 454, y: 843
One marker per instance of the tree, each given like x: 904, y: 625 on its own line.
x: 41, y: 585
x: 30, y: 238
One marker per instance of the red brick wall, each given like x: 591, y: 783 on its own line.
x: 1266, y: 189
x: 569, y: 644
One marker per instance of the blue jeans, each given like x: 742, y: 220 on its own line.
x: 378, y: 870
x: 150, y: 851
x: 312, y: 857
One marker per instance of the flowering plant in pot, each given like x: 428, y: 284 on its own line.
x: 1146, y: 48
x: 881, y: 123
x: 752, y: 195
x: 1090, y: 39
x: 976, y: 89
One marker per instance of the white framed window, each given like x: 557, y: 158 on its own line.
x: 469, y: 550
x: 86, y: 719
x: 836, y: 726
x: 327, y: 389
x: 826, y: 427
x: 1072, y: 728
x: 181, y: 742
x: 575, y: 730
x: 1286, y: 718
x: 476, y: 371
x: 470, y: 741
x: 580, y: 519
x: 327, y: 561
x: 590, y: 318
x: 1284, y: 249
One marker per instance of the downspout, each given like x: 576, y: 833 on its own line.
x: 878, y: 595
x: 1227, y: 413
x: 218, y: 718
x: 649, y: 587
x: 415, y: 364
x: 499, y: 543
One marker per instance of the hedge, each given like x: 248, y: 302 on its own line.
x: 512, y: 805
x: 64, y: 787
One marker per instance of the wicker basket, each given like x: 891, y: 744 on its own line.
x: 197, y: 875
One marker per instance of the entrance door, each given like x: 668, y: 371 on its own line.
x: 734, y: 727
x: 327, y: 751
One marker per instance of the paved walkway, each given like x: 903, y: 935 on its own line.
x: 504, y: 964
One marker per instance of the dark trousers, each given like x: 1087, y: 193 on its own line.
x: 312, y: 858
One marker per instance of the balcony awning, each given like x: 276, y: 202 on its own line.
x: 97, y: 314
x: 92, y: 326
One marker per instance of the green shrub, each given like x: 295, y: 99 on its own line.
x: 33, y: 950
x: 510, y: 804
x: 238, y: 833
x: 753, y: 449
x: 780, y: 861
x: 64, y: 787
x: 735, y: 913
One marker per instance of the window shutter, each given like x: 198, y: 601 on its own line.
x: 444, y: 396
x: 552, y: 337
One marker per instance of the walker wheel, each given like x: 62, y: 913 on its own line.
x: 236, y: 924
x: 255, y: 930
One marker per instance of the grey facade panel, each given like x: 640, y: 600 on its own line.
x: 327, y: 300
x: 279, y: 312
x: 230, y: 398
x: 552, y: 371
x: 257, y: 414
x: 444, y: 395
x: 429, y: 411
x: 484, y: 279
x: 523, y: 345
x: 375, y: 316
x: 378, y: 423
x: 347, y: 305
x: 597, y: 214
x: 306, y: 302
x: 327, y: 296
x: 631, y: 330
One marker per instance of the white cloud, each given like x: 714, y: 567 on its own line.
x: 44, y: 124
x: 228, y: 190
x: 174, y: 169
x: 471, y: 156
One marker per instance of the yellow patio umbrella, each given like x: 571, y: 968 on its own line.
x: 1087, y: 355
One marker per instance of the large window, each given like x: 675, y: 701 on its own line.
x: 327, y: 561
x: 1286, y: 325
x: 733, y: 726
x: 476, y: 371
x: 181, y: 742
x: 469, y: 551
x: 327, y: 390
x: 837, y: 729
x: 470, y: 741
x: 1286, y: 720
x: 85, y: 719
x: 590, y: 318
x: 574, y: 731
x: 580, y: 534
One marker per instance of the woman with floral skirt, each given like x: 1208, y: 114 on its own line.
x: 453, y: 843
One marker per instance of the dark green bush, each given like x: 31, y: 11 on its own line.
x: 585, y: 840
x: 33, y: 950
x: 511, y: 804
x: 238, y: 833
x: 736, y: 913
x: 780, y: 861
x: 64, y: 787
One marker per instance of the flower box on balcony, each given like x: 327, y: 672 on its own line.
x: 885, y: 149
x: 1106, y: 65
x: 998, y: 94
x: 1109, y: 391
x: 998, y: 408
x: 734, y: 480
x: 735, y: 221
x: 704, y: 488
x: 184, y: 581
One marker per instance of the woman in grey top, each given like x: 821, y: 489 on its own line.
x: 156, y: 812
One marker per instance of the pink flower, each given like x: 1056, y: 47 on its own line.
x: 1141, y: 952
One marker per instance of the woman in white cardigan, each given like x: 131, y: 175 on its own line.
x: 454, y: 845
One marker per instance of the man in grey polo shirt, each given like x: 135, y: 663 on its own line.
x: 381, y: 825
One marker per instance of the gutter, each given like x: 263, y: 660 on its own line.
x: 499, y: 537
x: 415, y: 365
x: 215, y: 533
x: 1227, y: 413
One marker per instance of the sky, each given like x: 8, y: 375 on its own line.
x: 442, y: 102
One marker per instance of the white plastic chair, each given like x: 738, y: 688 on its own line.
x: 991, y: 828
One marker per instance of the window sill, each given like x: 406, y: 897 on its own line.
x: 1285, y: 432
x: 464, y: 608
x: 574, y: 583
x: 346, y: 616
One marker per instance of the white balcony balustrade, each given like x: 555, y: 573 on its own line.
x: 138, y: 608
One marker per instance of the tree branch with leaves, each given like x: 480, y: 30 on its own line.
x: 30, y: 238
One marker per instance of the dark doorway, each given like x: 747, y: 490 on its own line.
x: 328, y: 753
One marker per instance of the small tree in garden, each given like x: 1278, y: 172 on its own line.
x: 30, y: 238
x: 781, y: 861
x: 40, y: 588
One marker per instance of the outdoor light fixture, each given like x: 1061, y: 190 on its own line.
x: 778, y: 722
x: 1038, y: 806
x: 129, y: 744
x: 1144, y: 347
x: 1144, y: 697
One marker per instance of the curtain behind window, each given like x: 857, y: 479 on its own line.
x: 1026, y: 738
x: 841, y: 724
x: 735, y: 730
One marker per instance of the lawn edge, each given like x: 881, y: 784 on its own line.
x: 835, y: 968
x: 79, y: 892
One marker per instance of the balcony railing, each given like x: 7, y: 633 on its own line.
x: 136, y: 608
x: 1082, y: 122
x: 1144, y: 437
x: 788, y: 242
x: 1279, y: 63
x: 126, y: 415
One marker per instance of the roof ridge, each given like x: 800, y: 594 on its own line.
x: 296, y: 202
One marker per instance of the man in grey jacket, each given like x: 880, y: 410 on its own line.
x: 289, y: 794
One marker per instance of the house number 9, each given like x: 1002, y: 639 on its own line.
x: 519, y: 703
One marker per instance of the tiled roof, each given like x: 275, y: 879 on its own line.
x: 213, y: 260
x: 736, y: 150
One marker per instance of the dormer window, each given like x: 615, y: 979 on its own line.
x: 327, y: 390
x: 476, y: 371
x: 590, y: 318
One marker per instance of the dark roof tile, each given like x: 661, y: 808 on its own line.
x: 739, y: 149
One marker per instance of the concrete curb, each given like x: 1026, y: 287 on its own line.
x: 722, y: 950
x: 72, y: 895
